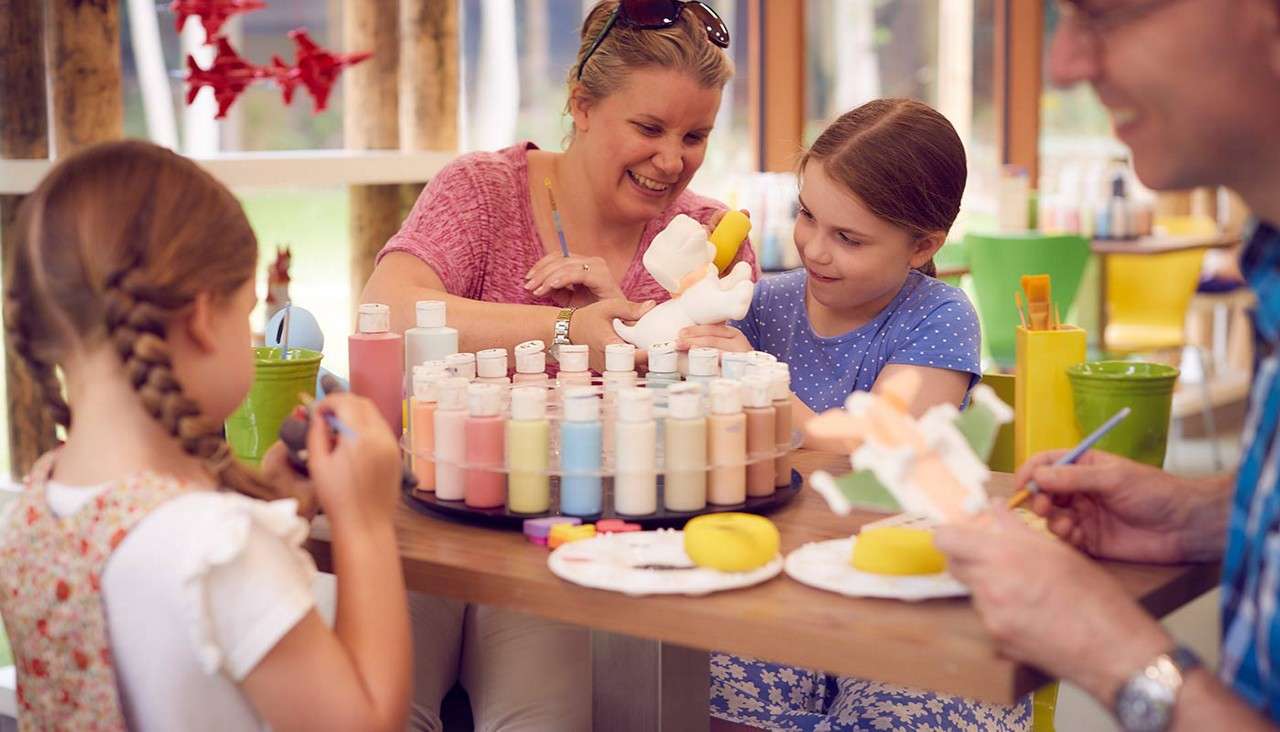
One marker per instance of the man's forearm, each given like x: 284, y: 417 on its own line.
x: 1204, y: 703
x: 1205, y: 538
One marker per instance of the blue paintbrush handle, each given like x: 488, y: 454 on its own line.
x: 1086, y: 444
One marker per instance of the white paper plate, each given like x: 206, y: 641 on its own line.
x: 825, y: 565
x: 625, y: 563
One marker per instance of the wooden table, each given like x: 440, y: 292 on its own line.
x: 937, y: 645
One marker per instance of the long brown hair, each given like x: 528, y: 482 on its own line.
x: 682, y: 47
x: 902, y: 159
x: 113, y: 243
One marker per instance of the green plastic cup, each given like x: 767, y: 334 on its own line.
x: 1102, y: 388
x: 255, y: 424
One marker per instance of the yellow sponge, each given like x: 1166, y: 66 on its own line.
x: 728, y: 237
x: 731, y: 542
x: 897, y: 550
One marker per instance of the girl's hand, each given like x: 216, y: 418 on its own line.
x: 357, y: 477
x: 724, y: 337
x: 556, y: 272
x: 593, y: 326
x: 277, y: 471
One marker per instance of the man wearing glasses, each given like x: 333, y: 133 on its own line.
x: 1193, y: 88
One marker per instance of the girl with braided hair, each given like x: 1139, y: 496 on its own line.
x: 136, y: 593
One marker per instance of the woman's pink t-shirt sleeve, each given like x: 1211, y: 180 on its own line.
x: 446, y: 229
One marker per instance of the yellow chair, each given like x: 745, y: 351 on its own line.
x: 1044, y: 701
x: 1148, y: 296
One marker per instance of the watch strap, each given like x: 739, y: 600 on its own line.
x: 560, y: 333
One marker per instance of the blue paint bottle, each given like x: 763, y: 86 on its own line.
x: 581, y: 448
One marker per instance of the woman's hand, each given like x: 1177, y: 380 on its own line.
x: 1115, y: 508
x: 1047, y: 605
x: 357, y: 476
x: 593, y: 326
x: 556, y: 272
x: 723, y: 337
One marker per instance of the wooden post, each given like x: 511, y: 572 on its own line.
x: 84, y: 62
x: 370, y: 108
x: 776, y: 98
x: 428, y: 75
x: 1019, y: 48
x: 24, y: 134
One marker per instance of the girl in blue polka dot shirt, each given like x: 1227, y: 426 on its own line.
x: 879, y: 190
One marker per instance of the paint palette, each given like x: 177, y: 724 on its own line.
x: 647, y: 563
x: 503, y: 518
x: 826, y: 566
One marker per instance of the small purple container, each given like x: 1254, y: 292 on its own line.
x: 537, y: 530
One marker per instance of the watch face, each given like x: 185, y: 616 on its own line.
x: 1144, y: 705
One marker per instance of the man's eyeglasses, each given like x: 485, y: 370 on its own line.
x: 657, y: 14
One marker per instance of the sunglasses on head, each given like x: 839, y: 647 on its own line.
x: 657, y: 14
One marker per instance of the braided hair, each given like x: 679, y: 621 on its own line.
x: 114, y: 243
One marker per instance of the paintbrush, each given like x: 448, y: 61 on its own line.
x: 1017, y: 303
x: 1037, y: 288
x: 1088, y: 442
x: 555, y: 218
x: 284, y: 334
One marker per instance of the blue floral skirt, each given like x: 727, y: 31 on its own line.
x: 776, y: 697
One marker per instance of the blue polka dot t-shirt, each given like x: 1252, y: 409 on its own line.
x: 929, y: 323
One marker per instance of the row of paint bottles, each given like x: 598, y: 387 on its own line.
x: 376, y: 356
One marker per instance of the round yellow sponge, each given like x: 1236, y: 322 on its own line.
x: 897, y: 550
x: 731, y: 542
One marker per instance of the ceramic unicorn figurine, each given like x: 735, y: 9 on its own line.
x: 681, y: 258
x: 932, y: 466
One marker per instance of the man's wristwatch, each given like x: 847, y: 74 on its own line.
x: 560, y: 336
x: 1145, y: 702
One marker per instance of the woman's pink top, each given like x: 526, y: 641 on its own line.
x: 473, y: 225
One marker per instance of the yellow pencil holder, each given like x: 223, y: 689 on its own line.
x: 1044, y: 413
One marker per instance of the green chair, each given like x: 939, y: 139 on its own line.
x: 997, y: 263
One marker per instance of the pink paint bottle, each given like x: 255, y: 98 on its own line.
x: 491, y: 366
x: 376, y: 356
x: 485, y: 481
x: 531, y: 364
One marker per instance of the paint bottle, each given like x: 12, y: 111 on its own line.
x: 491, y: 367
x: 733, y: 365
x: 436, y: 371
x: 662, y: 366
x: 450, y: 437
x: 704, y: 365
x: 431, y: 340
x: 619, y: 373
x: 635, y: 483
x: 761, y: 440
x: 762, y: 357
x: 462, y: 365
x: 575, y: 369
x: 726, y: 444
x: 581, y: 448
x: 685, y: 449
x: 376, y: 356
x: 422, y: 430
x: 531, y: 364
x: 485, y: 449
x: 780, y: 393
x: 528, y: 447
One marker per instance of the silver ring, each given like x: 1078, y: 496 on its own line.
x: 586, y: 268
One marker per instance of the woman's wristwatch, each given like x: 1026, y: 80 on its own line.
x: 1145, y: 703
x: 560, y: 336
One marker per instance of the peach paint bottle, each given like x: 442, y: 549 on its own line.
x: 376, y: 356
x: 761, y: 442
x: 619, y: 374
x: 780, y: 393
x: 531, y: 364
x: 635, y: 483
x: 726, y: 444
x: 422, y: 419
x: 485, y: 481
x: 574, y: 366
